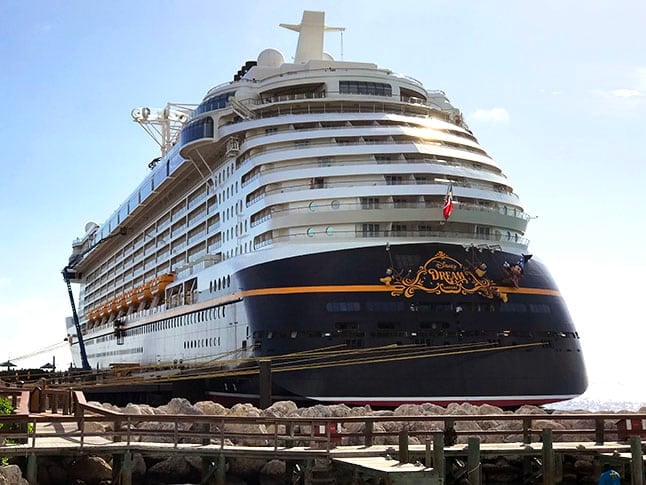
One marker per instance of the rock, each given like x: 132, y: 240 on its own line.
x: 245, y: 467
x: 489, y: 409
x: 138, y: 466
x: 51, y: 472
x: 179, y: 405
x: 141, y: 409
x: 429, y: 409
x: 90, y: 469
x: 528, y: 409
x: 242, y: 428
x: 11, y: 475
x: 274, y: 468
x: 211, y: 408
x: 322, y: 411
x: 409, y: 410
x: 280, y: 409
x: 245, y: 409
x: 473, y: 429
x: 173, y: 470
x: 93, y: 427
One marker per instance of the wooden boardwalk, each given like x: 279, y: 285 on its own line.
x: 63, y: 423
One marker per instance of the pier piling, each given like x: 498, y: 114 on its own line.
x: 438, y: 455
x: 636, y: 462
x: 548, y: 457
x: 473, y: 461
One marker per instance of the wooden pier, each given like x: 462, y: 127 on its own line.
x: 61, y: 422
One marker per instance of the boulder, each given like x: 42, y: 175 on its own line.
x: 245, y: 467
x: 274, y: 468
x: 175, y: 469
x: 409, y: 410
x: 179, y: 405
x: 489, y: 409
x: 529, y: 409
x: 280, y: 409
x: 211, y: 408
x: 11, y: 475
x: 246, y: 428
x: 141, y: 409
x: 90, y: 469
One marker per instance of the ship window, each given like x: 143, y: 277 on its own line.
x: 335, y: 204
x: 370, y: 230
x: 369, y: 203
x: 202, y: 128
x: 513, y: 307
x: 329, y: 230
x: 539, y: 308
x: 366, y: 88
x: 216, y: 102
x: 343, y: 306
x: 311, y: 232
x: 228, y: 281
x: 384, y: 306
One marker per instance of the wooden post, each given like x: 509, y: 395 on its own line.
x: 473, y: 461
x: 117, y: 429
x: 558, y: 468
x: 32, y: 469
x: 221, y: 471
x: 598, y: 431
x: 527, y: 436
x: 117, y: 465
x: 450, y: 437
x: 636, y: 462
x: 126, y: 469
x: 369, y: 428
x: 548, y: 457
x: 438, y: 455
x: 290, y: 434
x: 265, y: 383
x: 307, y: 472
x: 403, y: 446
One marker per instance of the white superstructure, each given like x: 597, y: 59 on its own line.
x: 286, y: 159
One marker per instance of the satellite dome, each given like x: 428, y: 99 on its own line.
x: 327, y: 56
x: 270, y: 58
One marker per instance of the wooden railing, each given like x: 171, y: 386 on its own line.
x: 71, y: 407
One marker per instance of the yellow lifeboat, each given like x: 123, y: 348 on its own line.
x: 102, y: 311
x: 159, y: 284
x: 143, y: 292
x: 130, y: 297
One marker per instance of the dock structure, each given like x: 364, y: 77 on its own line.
x: 61, y: 423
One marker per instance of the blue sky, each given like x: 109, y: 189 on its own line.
x: 555, y: 91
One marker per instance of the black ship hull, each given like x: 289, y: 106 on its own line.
x: 408, y: 324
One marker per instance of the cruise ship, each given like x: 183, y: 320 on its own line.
x: 338, y: 221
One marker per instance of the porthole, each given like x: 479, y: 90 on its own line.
x: 335, y: 204
x: 329, y: 230
x: 311, y: 232
x: 312, y: 206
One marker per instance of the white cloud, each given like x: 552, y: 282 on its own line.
x: 626, y: 93
x: 495, y: 115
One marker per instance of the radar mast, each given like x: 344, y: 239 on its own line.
x: 163, y: 124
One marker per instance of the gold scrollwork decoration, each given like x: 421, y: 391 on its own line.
x: 442, y: 274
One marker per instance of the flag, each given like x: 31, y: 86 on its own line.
x: 448, y: 203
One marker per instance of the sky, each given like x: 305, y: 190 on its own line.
x: 555, y: 92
